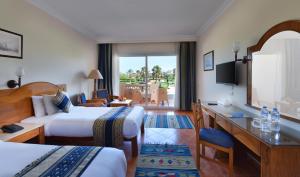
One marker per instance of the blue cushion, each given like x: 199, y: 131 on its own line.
x: 83, y: 99
x: 237, y: 115
x: 62, y: 102
x: 102, y: 94
x: 217, y: 137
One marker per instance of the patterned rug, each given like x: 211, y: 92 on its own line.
x: 165, y: 161
x: 168, y: 121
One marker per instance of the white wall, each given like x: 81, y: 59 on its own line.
x: 53, y: 52
x: 245, y: 21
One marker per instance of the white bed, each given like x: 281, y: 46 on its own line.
x: 79, y: 122
x: 110, y: 162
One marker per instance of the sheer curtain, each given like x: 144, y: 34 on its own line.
x: 177, y: 85
x: 115, y: 70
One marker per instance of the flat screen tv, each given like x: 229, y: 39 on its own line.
x: 226, y: 73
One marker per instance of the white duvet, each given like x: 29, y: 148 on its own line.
x: 79, y: 122
x: 110, y: 162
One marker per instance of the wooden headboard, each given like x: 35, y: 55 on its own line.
x: 16, y: 104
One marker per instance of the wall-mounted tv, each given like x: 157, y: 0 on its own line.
x: 226, y: 73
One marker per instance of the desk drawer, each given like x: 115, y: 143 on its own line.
x: 248, y: 140
x: 221, y: 121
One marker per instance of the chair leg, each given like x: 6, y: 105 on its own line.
x: 198, y: 155
x: 134, y: 147
x: 230, y: 168
x: 143, y: 128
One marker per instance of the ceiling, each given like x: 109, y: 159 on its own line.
x: 136, y: 20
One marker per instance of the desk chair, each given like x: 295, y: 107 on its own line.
x: 214, y: 138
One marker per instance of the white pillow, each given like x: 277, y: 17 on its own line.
x: 38, y: 106
x: 50, y: 107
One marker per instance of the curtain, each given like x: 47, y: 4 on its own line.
x: 105, y: 67
x: 187, y: 75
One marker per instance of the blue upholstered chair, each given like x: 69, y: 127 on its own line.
x: 211, y: 137
x: 82, y: 101
x: 103, y: 94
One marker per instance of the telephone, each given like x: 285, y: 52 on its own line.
x: 12, y: 128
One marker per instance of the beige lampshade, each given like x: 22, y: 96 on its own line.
x: 95, y: 74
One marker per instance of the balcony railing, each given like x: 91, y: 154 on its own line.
x: 157, y: 96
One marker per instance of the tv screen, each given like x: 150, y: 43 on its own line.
x: 225, y: 73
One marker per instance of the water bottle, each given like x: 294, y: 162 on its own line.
x: 275, y: 120
x: 265, y: 122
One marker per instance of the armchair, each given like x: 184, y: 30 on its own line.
x: 103, y: 95
x: 82, y: 101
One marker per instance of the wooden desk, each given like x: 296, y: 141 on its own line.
x: 278, y: 157
x: 117, y: 103
x: 30, y: 131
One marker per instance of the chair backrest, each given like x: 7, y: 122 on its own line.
x: 137, y: 96
x: 102, y: 93
x: 81, y: 98
x: 198, y: 116
x: 163, y: 94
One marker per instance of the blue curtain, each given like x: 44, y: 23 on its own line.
x: 187, y: 75
x: 105, y: 67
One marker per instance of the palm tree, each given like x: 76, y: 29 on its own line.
x: 129, y: 74
x: 138, y: 75
x: 156, y: 72
x: 143, y: 73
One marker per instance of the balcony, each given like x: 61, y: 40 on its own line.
x: 158, y: 96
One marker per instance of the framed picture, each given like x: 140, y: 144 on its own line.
x: 208, y: 61
x: 11, y: 44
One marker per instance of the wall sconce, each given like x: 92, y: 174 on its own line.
x: 12, y: 83
x: 236, y: 48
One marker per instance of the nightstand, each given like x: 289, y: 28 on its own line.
x: 30, y: 131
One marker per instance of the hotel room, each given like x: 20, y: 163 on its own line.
x: 195, y: 88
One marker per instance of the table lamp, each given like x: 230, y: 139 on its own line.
x: 96, y: 75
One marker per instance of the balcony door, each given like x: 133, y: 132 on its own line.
x: 148, y: 80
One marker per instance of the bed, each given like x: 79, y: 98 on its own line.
x: 16, y: 156
x: 16, y: 106
x: 80, y: 122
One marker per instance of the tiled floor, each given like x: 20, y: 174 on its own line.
x: 187, y: 136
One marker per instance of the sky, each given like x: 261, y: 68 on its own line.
x: 136, y: 63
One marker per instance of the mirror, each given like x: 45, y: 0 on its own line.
x: 274, y: 74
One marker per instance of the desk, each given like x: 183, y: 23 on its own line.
x: 279, y: 158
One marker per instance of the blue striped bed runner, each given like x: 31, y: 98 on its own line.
x: 108, y: 128
x: 62, y: 161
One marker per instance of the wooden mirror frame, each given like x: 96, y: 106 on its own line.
x: 291, y: 25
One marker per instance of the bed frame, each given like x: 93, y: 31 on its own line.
x: 16, y: 105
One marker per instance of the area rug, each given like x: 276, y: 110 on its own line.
x: 165, y: 161
x: 167, y: 121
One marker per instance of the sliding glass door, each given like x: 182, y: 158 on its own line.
x: 161, y: 80
x: 148, y: 80
x: 133, y: 79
